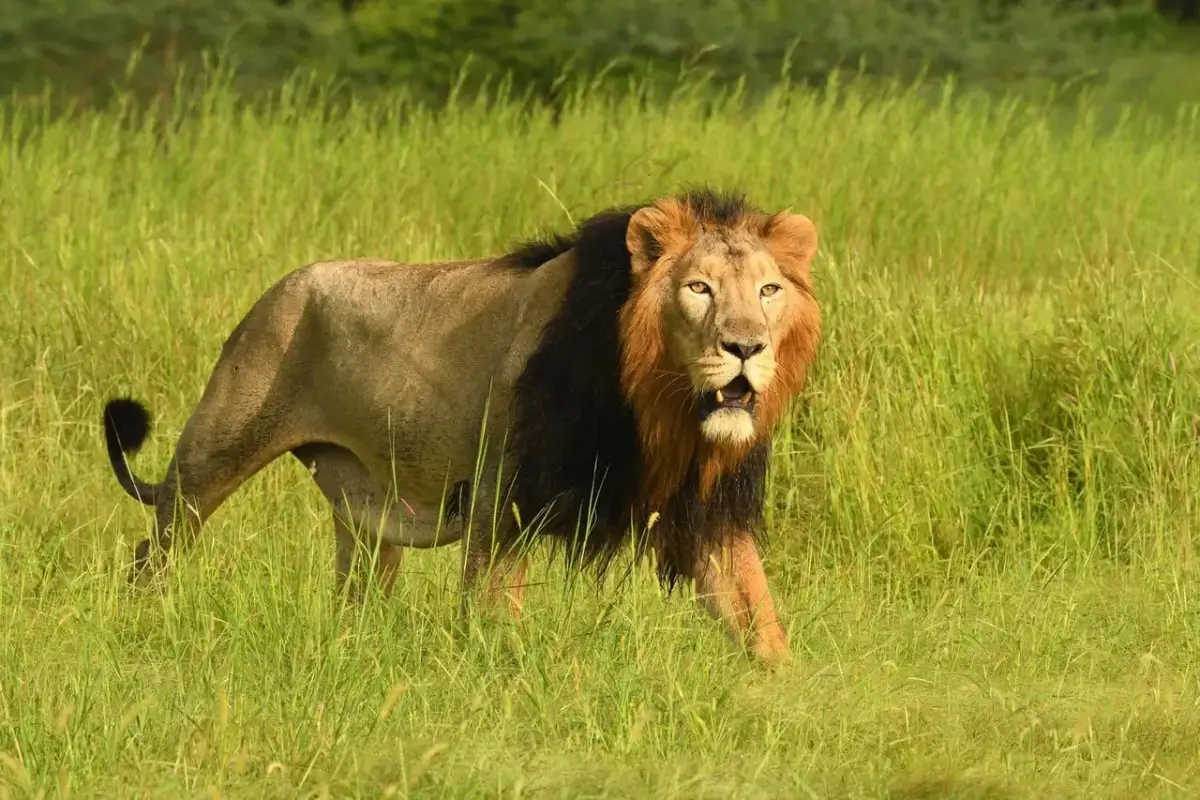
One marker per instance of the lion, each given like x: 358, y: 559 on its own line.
x: 633, y: 372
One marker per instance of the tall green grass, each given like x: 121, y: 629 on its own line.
x: 982, y: 516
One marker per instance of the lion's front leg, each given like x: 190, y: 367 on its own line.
x: 732, y: 587
x: 491, y: 579
x: 355, y: 557
x: 493, y: 568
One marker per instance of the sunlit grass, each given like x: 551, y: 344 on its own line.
x: 982, y: 518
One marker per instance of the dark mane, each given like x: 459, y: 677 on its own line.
x: 575, y: 443
x: 709, y: 207
x: 532, y: 254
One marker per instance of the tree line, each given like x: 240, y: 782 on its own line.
x: 83, y: 47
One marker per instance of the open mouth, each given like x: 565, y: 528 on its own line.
x: 737, y: 394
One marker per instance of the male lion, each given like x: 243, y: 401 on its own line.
x: 633, y: 370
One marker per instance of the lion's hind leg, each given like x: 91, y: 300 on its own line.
x: 218, y: 451
x: 360, y: 519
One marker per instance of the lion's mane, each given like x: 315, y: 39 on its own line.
x: 597, y: 448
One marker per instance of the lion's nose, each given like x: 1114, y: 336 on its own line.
x: 743, y: 350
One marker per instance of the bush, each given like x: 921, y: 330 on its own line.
x: 425, y: 41
x: 84, y: 46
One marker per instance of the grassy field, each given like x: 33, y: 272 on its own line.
x: 983, y: 517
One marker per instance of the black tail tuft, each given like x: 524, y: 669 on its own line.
x: 126, y: 426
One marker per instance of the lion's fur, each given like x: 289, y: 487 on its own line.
x: 381, y: 376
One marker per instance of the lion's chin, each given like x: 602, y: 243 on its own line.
x: 729, y: 427
x: 727, y: 414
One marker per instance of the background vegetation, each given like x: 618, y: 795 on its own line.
x: 1140, y: 49
x: 982, y: 516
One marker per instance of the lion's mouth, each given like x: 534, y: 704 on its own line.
x: 737, y: 394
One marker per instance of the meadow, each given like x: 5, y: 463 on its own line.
x: 983, y: 514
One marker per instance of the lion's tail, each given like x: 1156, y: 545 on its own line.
x: 126, y: 426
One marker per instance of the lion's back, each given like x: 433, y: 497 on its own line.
x: 412, y: 305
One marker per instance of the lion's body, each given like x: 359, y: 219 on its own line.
x: 427, y: 398
x: 360, y: 350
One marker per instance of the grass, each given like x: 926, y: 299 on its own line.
x: 982, y: 517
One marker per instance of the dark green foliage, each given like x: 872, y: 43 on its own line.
x: 84, y: 46
x: 535, y: 41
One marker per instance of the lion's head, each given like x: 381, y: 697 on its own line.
x: 688, y: 327
x: 719, y: 328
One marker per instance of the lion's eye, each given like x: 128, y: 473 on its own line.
x: 769, y: 289
x: 699, y: 287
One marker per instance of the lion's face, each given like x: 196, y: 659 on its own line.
x: 723, y: 314
x: 722, y: 323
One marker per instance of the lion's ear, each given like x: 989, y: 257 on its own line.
x: 644, y: 237
x: 792, y: 241
x: 655, y: 230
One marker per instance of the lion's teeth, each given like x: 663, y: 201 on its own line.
x: 720, y: 397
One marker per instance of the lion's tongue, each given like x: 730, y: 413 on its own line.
x: 737, y: 390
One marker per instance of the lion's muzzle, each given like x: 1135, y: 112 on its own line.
x: 737, y: 395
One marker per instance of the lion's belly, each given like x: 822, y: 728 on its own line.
x: 421, y: 428
x: 401, y: 522
x: 419, y: 525
x: 421, y: 452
